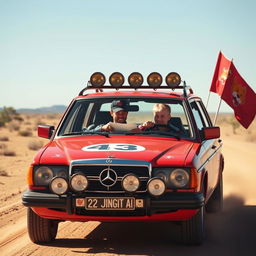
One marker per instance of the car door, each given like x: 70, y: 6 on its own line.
x: 210, y: 153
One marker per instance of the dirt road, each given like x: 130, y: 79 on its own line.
x: 231, y: 232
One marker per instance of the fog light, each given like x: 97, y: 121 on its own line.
x: 116, y: 79
x: 78, y: 182
x: 135, y: 79
x: 59, y: 186
x: 156, y: 187
x: 154, y: 79
x: 130, y: 183
x: 173, y: 79
x: 97, y: 79
x: 179, y: 178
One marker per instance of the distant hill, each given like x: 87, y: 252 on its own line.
x: 52, y: 109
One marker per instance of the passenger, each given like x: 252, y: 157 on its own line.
x: 162, y: 115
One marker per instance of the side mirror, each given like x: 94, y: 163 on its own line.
x: 211, y: 133
x: 45, y: 131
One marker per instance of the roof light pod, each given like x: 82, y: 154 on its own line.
x: 116, y: 79
x: 154, y: 79
x: 97, y: 79
x: 173, y: 79
x: 135, y: 79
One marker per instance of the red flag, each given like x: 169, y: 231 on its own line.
x: 220, y: 74
x: 239, y: 96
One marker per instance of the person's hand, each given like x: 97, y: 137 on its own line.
x: 107, y: 128
x: 147, y: 125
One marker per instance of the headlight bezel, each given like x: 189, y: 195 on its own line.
x: 54, y: 169
x: 166, y: 172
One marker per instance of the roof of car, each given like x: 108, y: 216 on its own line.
x: 133, y: 93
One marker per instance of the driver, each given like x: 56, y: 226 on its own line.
x: 119, y: 113
x: 162, y: 115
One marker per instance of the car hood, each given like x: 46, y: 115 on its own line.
x: 158, y: 151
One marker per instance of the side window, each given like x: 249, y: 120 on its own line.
x: 200, y: 118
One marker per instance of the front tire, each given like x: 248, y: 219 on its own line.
x: 41, y: 230
x: 193, y: 230
x: 215, y: 203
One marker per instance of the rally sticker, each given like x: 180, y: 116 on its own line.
x: 113, y: 147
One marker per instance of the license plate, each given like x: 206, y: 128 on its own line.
x: 110, y: 203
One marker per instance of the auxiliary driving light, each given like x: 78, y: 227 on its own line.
x: 97, y: 79
x: 173, y: 79
x: 59, y: 185
x: 135, y: 79
x: 78, y: 182
x: 116, y: 79
x: 154, y: 79
x: 179, y: 178
x: 130, y: 183
x: 156, y: 187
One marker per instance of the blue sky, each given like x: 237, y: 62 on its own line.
x: 49, y: 48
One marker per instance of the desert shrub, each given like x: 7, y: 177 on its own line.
x: 35, y: 145
x: 7, y: 115
x: 234, y: 123
x: 4, y: 138
x: 3, y: 172
x: 3, y: 147
x: 8, y: 152
x: 14, y: 126
x: 25, y: 133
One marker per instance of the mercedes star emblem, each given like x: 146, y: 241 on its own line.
x: 108, y: 177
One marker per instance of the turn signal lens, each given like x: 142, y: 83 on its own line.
x: 97, y: 79
x: 59, y: 186
x: 30, y: 176
x: 135, y: 79
x: 78, y: 182
x: 130, y: 183
x: 116, y: 79
x: 156, y: 187
x: 173, y: 79
x: 154, y: 79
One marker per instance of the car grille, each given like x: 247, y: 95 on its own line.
x: 92, y: 172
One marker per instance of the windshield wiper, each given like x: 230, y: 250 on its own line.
x: 155, y: 132
x: 106, y: 134
x: 86, y: 133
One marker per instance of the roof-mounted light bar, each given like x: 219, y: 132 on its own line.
x: 135, y: 81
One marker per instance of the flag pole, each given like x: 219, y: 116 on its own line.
x: 208, y: 99
x: 216, y: 115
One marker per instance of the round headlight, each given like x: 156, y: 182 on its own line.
x: 156, y: 187
x: 154, y: 79
x: 179, y: 178
x: 59, y: 185
x: 43, y: 175
x: 97, y: 79
x: 173, y: 79
x: 130, y: 183
x: 135, y: 79
x: 116, y: 79
x: 78, y: 182
x: 62, y: 173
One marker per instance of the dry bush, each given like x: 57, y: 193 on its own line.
x: 14, y: 126
x: 7, y: 152
x: 4, y: 138
x: 3, y: 172
x: 35, y: 145
x: 26, y: 133
x: 3, y: 147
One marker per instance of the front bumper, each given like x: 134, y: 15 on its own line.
x: 64, y: 206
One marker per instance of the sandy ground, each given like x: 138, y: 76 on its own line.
x: 231, y: 232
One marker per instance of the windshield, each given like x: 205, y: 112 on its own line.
x: 129, y: 116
